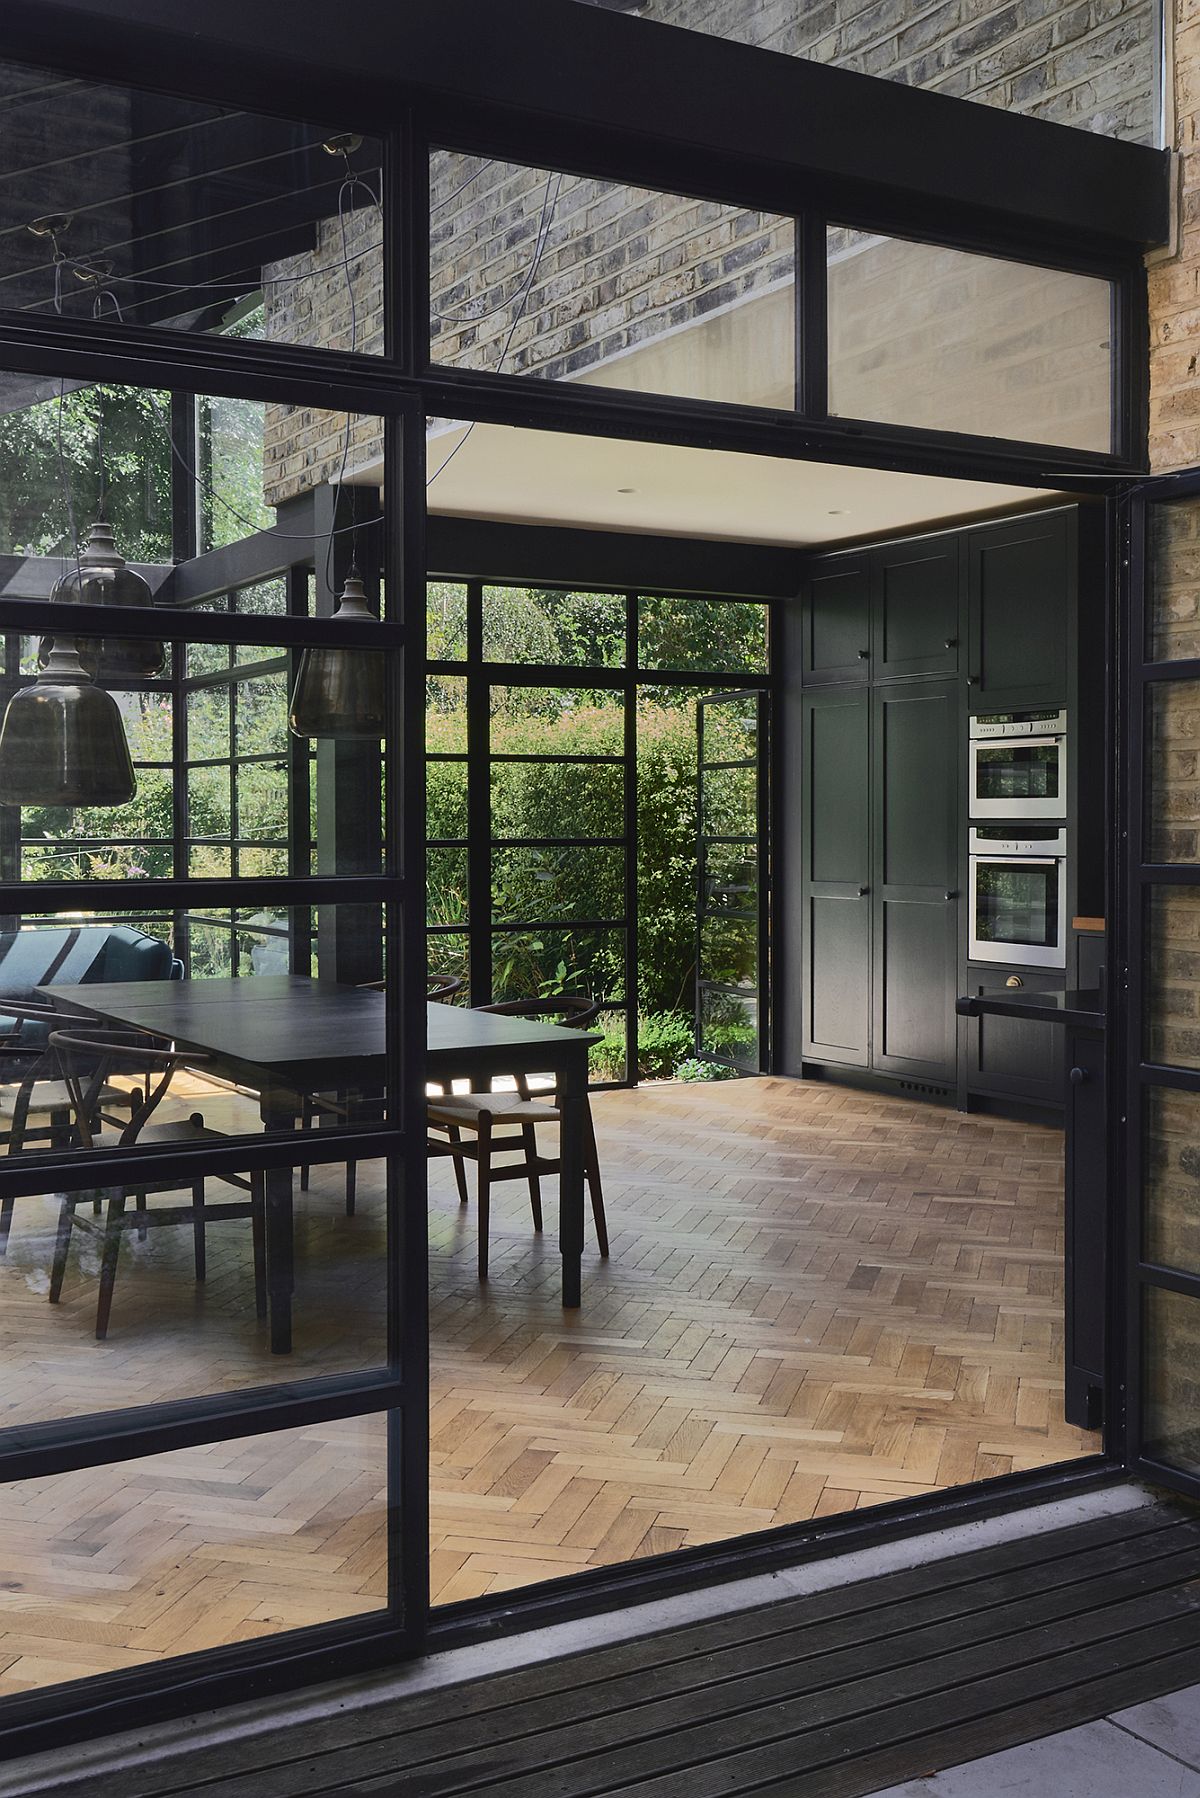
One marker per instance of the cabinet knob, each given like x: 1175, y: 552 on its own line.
x: 864, y: 655
x: 972, y: 680
x: 952, y: 895
x: 951, y: 642
x: 863, y: 891
x: 1077, y: 1076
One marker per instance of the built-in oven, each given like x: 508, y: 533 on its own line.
x: 1018, y: 765
x: 1018, y: 894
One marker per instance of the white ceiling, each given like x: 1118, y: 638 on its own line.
x: 547, y: 477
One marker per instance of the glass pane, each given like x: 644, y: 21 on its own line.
x: 544, y: 624
x: 995, y: 57
x: 554, y: 721
x: 571, y: 278
x: 446, y: 886
x: 445, y: 800
x: 188, y: 215
x: 445, y: 621
x: 207, y: 1004
x: 557, y: 885
x: 446, y: 714
x: 667, y: 870
x: 607, y: 1059
x: 702, y: 636
x: 729, y: 950
x: 84, y: 1347
x: 552, y: 800
x: 730, y: 877
x: 729, y: 1026
x: 1173, y: 584
x: 1171, y: 1196
x: 448, y: 955
x: 538, y: 964
x: 942, y: 340
x: 1172, y: 788
x: 1172, y: 977
x: 215, y: 1544
x: 730, y: 730
x: 1016, y: 903
x: 730, y: 802
x: 1171, y: 1371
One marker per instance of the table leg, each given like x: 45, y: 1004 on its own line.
x: 279, y: 1114
x: 572, y: 1097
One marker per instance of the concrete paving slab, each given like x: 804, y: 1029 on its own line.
x: 1171, y: 1723
x: 1097, y: 1760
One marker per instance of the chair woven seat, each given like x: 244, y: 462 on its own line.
x: 462, y: 1108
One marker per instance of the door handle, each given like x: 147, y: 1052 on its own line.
x: 951, y: 642
x: 972, y: 680
x: 863, y: 891
x: 1077, y: 1076
x: 864, y: 655
x: 952, y: 895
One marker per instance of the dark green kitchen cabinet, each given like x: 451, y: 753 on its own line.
x: 837, y: 620
x: 915, y: 902
x: 1020, y: 579
x: 916, y: 589
x: 836, y: 909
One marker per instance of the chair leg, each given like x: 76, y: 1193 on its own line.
x: 198, y: 1237
x: 143, y: 1228
x: 529, y: 1144
x: 591, y: 1168
x: 460, y: 1172
x: 62, y: 1244
x: 258, y: 1232
x: 307, y: 1110
x: 351, y: 1186
x: 6, y: 1216
x: 114, y: 1229
x: 485, y: 1191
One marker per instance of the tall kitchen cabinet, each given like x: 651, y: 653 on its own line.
x: 878, y: 766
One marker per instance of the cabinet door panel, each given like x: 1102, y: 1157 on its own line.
x: 839, y: 976
x: 837, y: 857
x: 915, y: 764
x: 837, y: 621
x: 915, y: 610
x: 1015, y: 1058
x: 1018, y: 606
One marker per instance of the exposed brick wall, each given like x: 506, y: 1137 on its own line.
x: 1175, y: 281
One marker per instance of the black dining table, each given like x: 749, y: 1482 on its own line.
x: 285, y: 1036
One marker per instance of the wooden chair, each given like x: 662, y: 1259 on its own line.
x: 83, y: 1062
x: 35, y: 1103
x: 480, y: 1114
x: 437, y: 986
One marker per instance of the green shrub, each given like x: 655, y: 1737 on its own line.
x: 704, y: 1070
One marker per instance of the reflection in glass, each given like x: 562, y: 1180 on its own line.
x: 522, y: 281
x: 1173, y: 580
x: 1172, y: 789
x: 941, y: 339
x: 728, y: 1027
x: 1171, y: 1163
x: 216, y: 1543
x: 1171, y: 1372
x: 1171, y: 1006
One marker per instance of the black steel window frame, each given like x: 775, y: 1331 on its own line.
x: 480, y: 675
x: 1141, y: 1076
x: 1126, y: 278
x: 122, y: 44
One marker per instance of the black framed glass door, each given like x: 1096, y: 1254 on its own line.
x: 1161, y: 956
x: 731, y: 893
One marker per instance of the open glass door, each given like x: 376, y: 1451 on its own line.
x: 731, y: 880
x: 1161, y: 1050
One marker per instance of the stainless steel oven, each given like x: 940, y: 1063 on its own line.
x: 1018, y: 894
x: 1019, y: 765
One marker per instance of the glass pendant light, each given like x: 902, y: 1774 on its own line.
x: 102, y: 577
x: 62, y: 741
x: 339, y: 693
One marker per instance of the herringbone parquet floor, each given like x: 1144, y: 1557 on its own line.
x: 816, y: 1300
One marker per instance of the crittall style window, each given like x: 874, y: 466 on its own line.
x: 251, y: 334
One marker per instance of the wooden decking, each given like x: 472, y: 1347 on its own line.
x: 831, y: 1695
x: 816, y: 1300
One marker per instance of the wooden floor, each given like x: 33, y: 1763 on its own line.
x: 816, y: 1300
